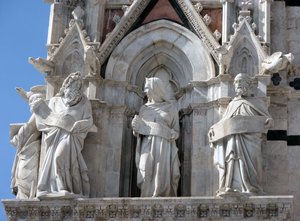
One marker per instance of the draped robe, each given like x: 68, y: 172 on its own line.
x: 238, y: 156
x: 63, y: 168
x: 156, y: 154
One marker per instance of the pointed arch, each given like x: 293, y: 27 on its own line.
x: 157, y: 43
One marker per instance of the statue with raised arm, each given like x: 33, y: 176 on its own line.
x: 157, y: 128
x: 237, y: 139
x: 65, y: 122
x: 27, y: 139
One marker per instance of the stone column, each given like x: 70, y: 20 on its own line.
x: 264, y: 20
x: 226, y: 19
x: 58, y: 22
x: 201, y: 155
x: 95, y: 19
x: 262, y: 84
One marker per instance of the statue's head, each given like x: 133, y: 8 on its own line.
x: 71, y: 89
x: 155, y: 90
x: 242, y: 83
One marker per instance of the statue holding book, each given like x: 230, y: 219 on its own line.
x: 64, y: 122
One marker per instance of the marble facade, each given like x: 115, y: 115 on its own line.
x: 203, y: 45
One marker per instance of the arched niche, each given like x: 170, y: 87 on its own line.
x: 70, y: 57
x: 157, y: 43
x: 245, y: 59
x: 158, y: 48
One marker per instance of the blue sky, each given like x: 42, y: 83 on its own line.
x: 23, y: 34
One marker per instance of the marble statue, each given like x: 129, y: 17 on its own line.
x: 27, y: 139
x: 237, y: 138
x: 157, y: 128
x: 64, y: 122
x: 277, y: 62
x: 91, y: 60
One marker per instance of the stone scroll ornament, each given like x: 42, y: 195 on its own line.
x: 27, y: 139
x: 237, y: 139
x: 157, y: 128
x: 64, y: 122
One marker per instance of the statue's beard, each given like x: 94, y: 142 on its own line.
x: 240, y: 91
x: 72, y: 98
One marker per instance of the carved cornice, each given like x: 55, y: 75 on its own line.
x: 223, y: 101
x: 129, y: 87
x: 185, y: 208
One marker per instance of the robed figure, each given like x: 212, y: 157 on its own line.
x: 157, y: 128
x: 237, y: 139
x: 64, y: 122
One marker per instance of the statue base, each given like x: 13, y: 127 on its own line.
x: 167, y: 208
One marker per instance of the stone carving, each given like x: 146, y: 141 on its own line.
x: 198, y: 7
x: 157, y: 128
x: 28, y: 142
x: 91, y: 60
x: 65, y: 122
x: 276, y: 62
x: 237, y: 141
x: 116, y: 19
x: 217, y: 35
x: 207, y: 19
x: 194, y: 208
x: 42, y: 65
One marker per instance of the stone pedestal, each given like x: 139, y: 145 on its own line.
x: 184, y: 208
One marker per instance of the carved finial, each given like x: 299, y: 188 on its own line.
x: 125, y: 8
x: 207, y: 19
x: 116, y: 19
x: 235, y: 27
x: 217, y: 35
x: 198, y: 7
x: 244, y: 13
x: 245, y: 5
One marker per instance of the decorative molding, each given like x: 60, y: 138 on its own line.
x: 200, y: 28
x: 185, y: 208
x: 122, y: 28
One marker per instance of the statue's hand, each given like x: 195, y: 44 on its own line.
x: 34, y: 102
x: 269, y: 123
x: 136, y: 123
x: 174, y: 135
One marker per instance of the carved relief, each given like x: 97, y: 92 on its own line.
x: 190, y: 209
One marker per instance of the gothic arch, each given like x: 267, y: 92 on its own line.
x: 157, y: 43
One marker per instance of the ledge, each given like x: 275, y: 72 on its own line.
x: 176, y: 208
